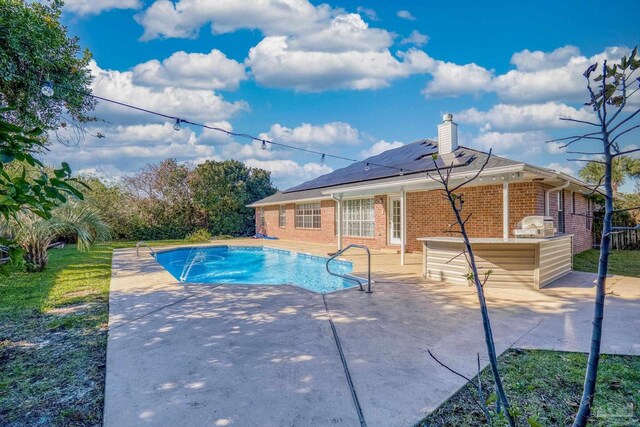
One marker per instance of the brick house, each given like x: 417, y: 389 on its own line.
x: 374, y: 203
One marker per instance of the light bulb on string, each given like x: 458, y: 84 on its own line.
x: 366, y: 167
x: 322, y: 159
x: 177, y: 126
x: 47, y: 89
x: 264, y: 145
x: 401, y: 172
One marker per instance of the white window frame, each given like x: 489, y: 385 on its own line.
x: 282, y: 216
x: 308, y: 216
x: 560, y: 209
x: 358, y: 217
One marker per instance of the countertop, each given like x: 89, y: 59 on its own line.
x: 494, y: 240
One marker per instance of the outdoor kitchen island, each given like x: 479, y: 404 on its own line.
x: 526, y: 262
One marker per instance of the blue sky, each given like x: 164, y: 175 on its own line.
x: 344, y: 77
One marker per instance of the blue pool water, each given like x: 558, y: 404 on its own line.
x: 254, y: 266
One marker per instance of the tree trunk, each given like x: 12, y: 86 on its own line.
x: 35, y: 257
x: 486, y: 322
x: 589, y: 390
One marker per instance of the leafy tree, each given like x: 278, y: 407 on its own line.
x: 34, y: 234
x: 163, y: 202
x: 224, y: 189
x: 117, y: 207
x: 615, y: 84
x: 35, y: 49
x: 24, y: 181
x: 622, y: 168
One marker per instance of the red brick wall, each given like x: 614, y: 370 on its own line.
x: 325, y: 234
x: 575, y: 220
x: 429, y: 214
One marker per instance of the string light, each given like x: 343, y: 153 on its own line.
x: 47, y: 89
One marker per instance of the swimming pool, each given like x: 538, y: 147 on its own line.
x: 248, y: 265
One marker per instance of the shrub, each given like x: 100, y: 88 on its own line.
x: 199, y: 236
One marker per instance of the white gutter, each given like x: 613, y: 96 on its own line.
x: 546, y: 195
x: 288, y: 202
x: 339, y: 202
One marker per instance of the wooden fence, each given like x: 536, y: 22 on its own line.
x: 625, y: 239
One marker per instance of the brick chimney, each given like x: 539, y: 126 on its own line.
x: 447, y: 135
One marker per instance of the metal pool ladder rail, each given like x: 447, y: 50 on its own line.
x: 141, y: 243
x: 348, y: 276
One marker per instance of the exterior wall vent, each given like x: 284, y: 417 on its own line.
x: 447, y: 135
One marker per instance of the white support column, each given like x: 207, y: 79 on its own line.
x: 505, y: 210
x: 403, y: 219
x: 339, y: 202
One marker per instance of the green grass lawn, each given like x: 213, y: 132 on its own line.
x: 623, y: 263
x: 53, y: 337
x: 544, y: 388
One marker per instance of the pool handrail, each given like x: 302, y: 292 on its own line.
x: 143, y: 243
x: 348, y: 276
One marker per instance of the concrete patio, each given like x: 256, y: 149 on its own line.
x: 235, y: 355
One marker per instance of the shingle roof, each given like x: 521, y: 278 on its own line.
x: 281, y: 197
x: 413, y: 158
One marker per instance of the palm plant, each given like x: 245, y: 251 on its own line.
x: 34, y: 234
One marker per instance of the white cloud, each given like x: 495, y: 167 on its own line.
x: 522, y: 143
x: 555, y: 147
x: 405, y: 14
x: 344, y: 33
x: 127, y: 148
x: 95, y: 7
x: 527, y: 60
x: 416, y: 38
x: 305, y: 48
x: 539, y: 77
x: 369, y: 13
x: 555, y: 76
x: 273, y: 63
x: 450, y: 79
x: 195, y: 105
x: 212, y: 70
x: 380, y: 147
x: 523, y: 117
x: 184, y: 18
x: 561, y: 168
x: 248, y: 150
x: 307, y: 134
x: 289, y: 172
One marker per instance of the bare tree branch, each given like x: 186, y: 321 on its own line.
x: 567, y: 119
x: 625, y: 120
x: 587, y: 160
x: 573, y: 137
x: 585, y: 152
x: 622, y: 104
x: 469, y: 380
x: 623, y: 132
x: 480, y: 402
x: 623, y: 153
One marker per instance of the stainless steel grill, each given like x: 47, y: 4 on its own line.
x: 535, y: 227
